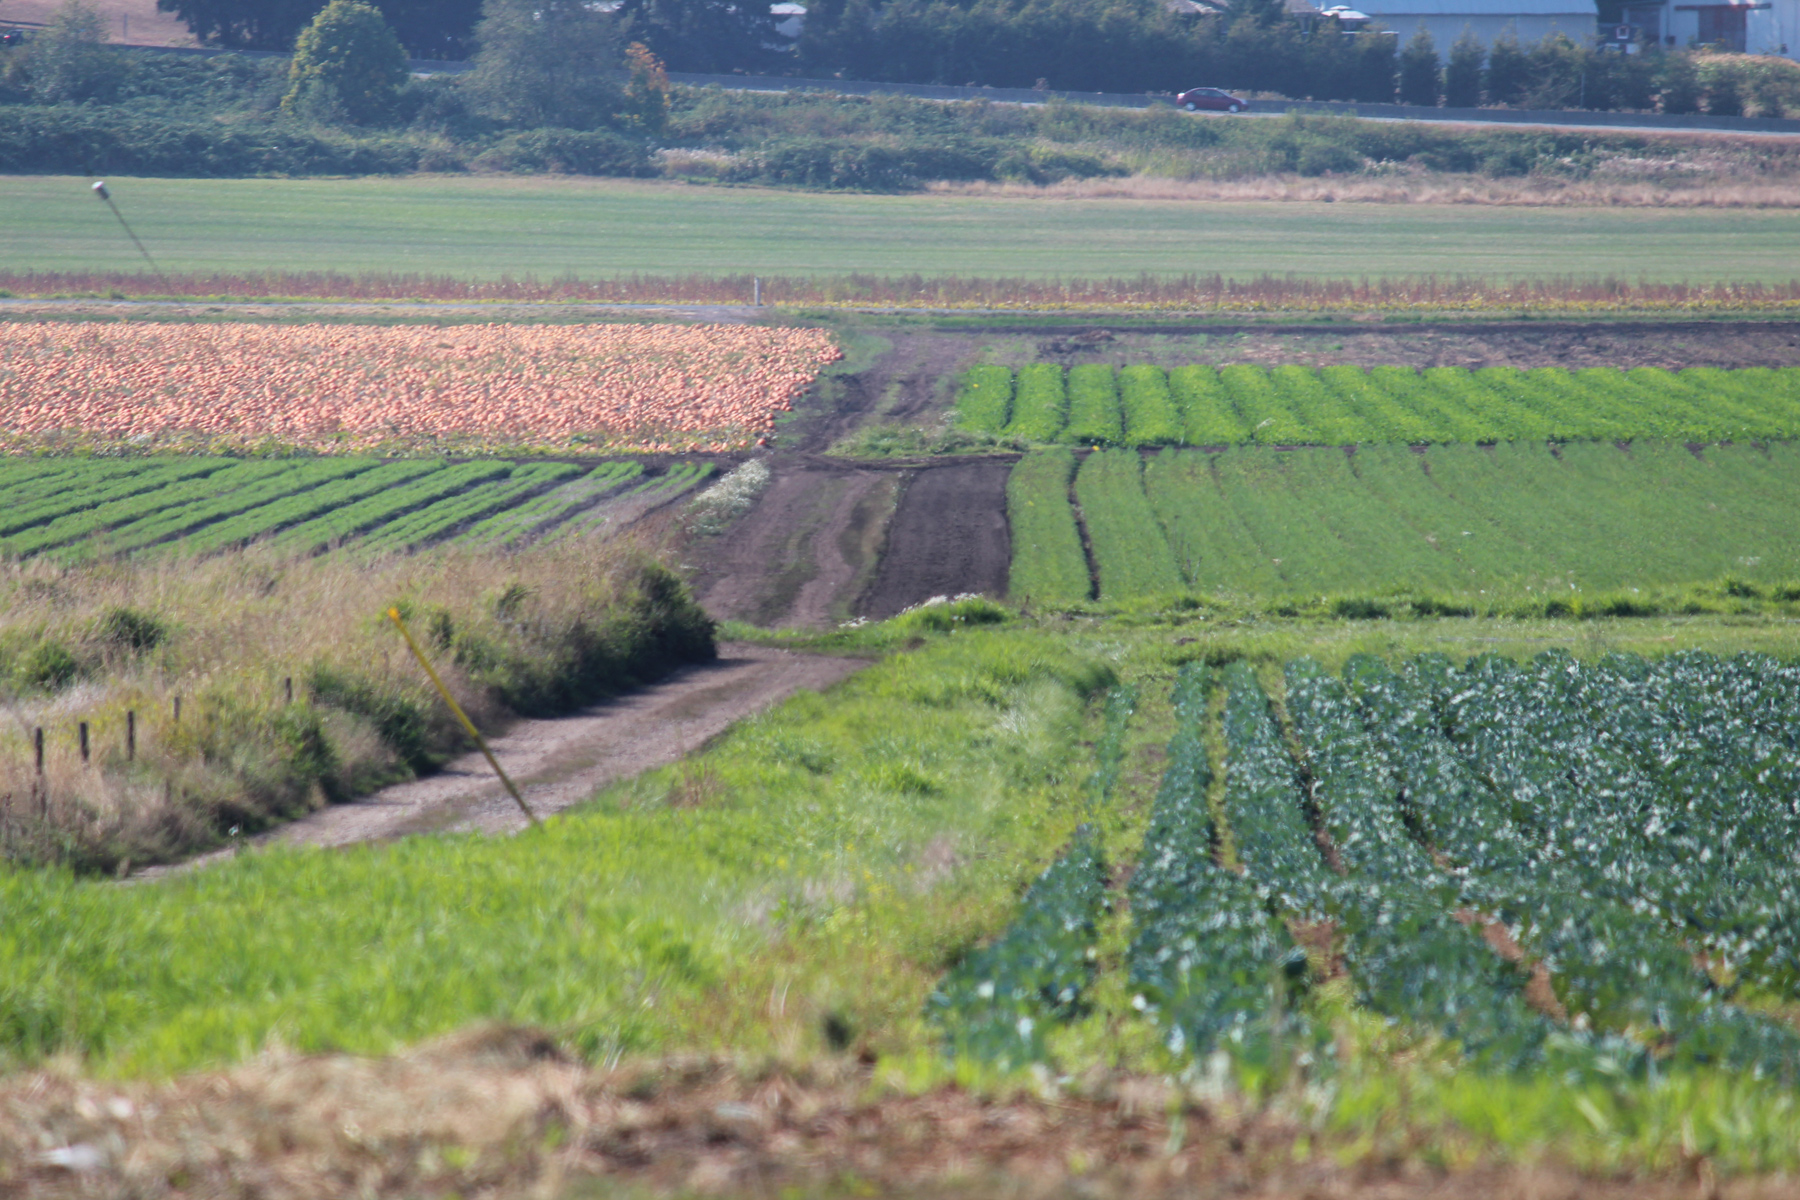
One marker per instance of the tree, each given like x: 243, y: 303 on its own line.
x: 428, y: 28
x: 348, y: 66
x: 1420, y: 79
x: 1462, y: 77
x: 1559, y: 70
x: 646, y: 100
x: 710, y: 36
x: 546, y: 63
x: 1508, y: 71
x: 1679, y: 84
x: 70, y: 61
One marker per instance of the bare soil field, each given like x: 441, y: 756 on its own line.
x: 948, y: 536
x: 501, y: 1112
x: 1668, y: 344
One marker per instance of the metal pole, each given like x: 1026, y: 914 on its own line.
x: 756, y: 290
x: 394, y: 616
x: 100, y: 191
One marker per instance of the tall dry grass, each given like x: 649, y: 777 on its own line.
x: 536, y: 633
x: 1186, y: 293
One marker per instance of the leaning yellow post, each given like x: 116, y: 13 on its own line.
x: 394, y: 616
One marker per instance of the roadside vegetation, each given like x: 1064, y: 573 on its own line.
x: 75, y: 105
x: 220, y: 697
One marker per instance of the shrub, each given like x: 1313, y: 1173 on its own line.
x: 47, y: 665
x: 132, y: 631
x: 348, y: 66
x: 567, y: 152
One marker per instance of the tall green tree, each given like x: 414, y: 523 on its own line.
x: 540, y: 63
x: 440, y: 29
x: 708, y: 36
x: 1420, y: 80
x: 348, y: 66
x: 1508, y: 73
x: 69, y: 60
x: 1462, y: 75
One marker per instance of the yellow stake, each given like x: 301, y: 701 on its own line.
x: 394, y: 616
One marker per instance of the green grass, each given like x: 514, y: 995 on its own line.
x: 1513, y: 523
x: 623, y: 927
x: 1129, y: 548
x: 486, y: 227
x: 1049, y: 565
x: 984, y: 399
x: 1040, y: 404
x: 1094, y: 416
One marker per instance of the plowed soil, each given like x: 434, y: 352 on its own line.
x: 948, y: 536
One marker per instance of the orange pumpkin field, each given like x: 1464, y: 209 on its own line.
x: 360, y: 388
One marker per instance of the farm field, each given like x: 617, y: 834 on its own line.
x: 1145, y: 405
x: 1389, y: 792
x: 71, y: 511
x: 484, y: 228
x: 1488, y: 525
x: 399, y: 389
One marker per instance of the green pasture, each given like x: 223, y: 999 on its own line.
x: 1521, y: 523
x: 482, y: 228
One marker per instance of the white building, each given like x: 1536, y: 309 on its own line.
x: 1489, y: 20
x: 1758, y: 26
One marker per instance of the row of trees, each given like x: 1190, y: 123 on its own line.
x: 573, y: 48
x: 1558, y: 73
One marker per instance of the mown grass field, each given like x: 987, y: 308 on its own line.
x: 486, y: 227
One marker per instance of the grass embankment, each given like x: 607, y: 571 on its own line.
x: 609, y: 229
x: 837, y: 851
x: 221, y: 640
x: 800, y: 887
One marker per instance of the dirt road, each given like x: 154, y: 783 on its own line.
x: 561, y: 762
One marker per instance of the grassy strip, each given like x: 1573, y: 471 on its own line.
x: 1151, y: 417
x: 104, y: 483
x: 622, y: 927
x: 290, y: 511
x: 169, y: 523
x: 1094, y: 416
x: 984, y: 398
x: 516, y: 524
x: 1040, y: 405
x: 338, y: 525
x: 1049, y: 566
x: 436, y: 520
x: 100, y: 516
x: 1130, y: 548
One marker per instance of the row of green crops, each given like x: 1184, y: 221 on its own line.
x: 74, y: 510
x: 1507, y: 521
x: 1049, y: 565
x: 1627, y: 823
x: 1339, y: 406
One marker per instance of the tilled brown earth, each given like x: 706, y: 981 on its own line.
x: 1669, y: 344
x: 948, y: 536
x: 501, y: 1112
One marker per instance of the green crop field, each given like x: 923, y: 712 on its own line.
x: 1343, y: 405
x: 1506, y: 521
x: 485, y: 227
x: 102, y: 507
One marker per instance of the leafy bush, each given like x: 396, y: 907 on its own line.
x: 984, y: 399
x: 1094, y: 416
x: 566, y: 152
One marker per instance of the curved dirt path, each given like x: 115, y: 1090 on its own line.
x: 562, y: 761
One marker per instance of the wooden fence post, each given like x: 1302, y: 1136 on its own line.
x: 84, y: 741
x: 130, y: 736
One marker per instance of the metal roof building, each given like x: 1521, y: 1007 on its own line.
x: 1489, y: 20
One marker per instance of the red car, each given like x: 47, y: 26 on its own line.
x: 1212, y: 99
